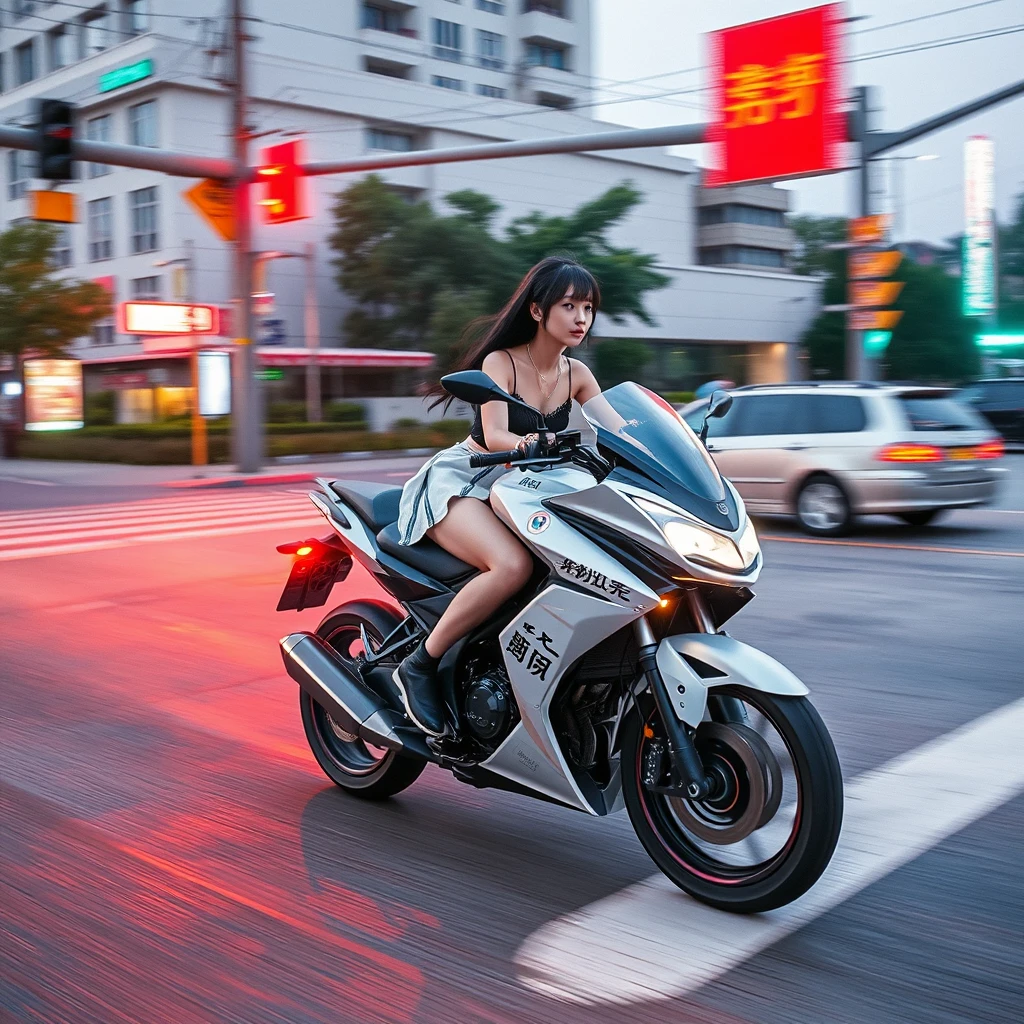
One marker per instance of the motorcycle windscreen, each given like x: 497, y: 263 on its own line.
x: 642, y: 429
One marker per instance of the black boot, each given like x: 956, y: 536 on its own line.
x: 416, y: 679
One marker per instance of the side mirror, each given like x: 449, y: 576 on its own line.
x: 476, y: 388
x: 720, y: 404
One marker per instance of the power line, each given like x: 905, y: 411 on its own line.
x: 925, y: 17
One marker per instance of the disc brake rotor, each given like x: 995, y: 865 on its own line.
x: 749, y: 786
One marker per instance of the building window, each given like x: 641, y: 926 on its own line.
x: 142, y: 124
x: 545, y: 55
x: 21, y: 169
x: 491, y: 6
x: 144, y: 287
x: 490, y: 49
x: 135, y: 17
x: 383, y: 19
x: 387, y: 68
x: 556, y: 8
x: 741, y: 213
x: 103, y: 333
x: 24, y: 62
x: 447, y: 40
x: 494, y: 91
x: 60, y: 256
x: 97, y: 34
x: 60, y: 45
x: 447, y: 83
x: 387, y: 139
x: 143, y: 207
x: 742, y: 255
x: 100, y: 229
x: 98, y: 129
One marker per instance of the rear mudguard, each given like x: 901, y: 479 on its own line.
x: 693, y: 664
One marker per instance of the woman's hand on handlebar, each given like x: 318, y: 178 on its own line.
x: 534, y: 445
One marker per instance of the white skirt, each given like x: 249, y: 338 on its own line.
x: 447, y: 475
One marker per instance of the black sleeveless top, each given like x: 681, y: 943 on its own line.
x: 519, y: 420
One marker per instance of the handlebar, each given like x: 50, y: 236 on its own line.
x: 494, y: 458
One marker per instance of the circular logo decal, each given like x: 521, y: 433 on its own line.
x: 723, y: 508
x: 538, y: 522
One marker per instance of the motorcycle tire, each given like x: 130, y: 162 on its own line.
x: 812, y: 839
x: 362, y: 770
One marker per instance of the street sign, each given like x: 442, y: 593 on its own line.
x: 873, y: 264
x: 875, y: 319
x: 55, y: 207
x: 778, y: 97
x: 214, y: 383
x: 868, y: 230
x: 262, y: 303
x: 979, y: 262
x: 272, y: 332
x: 874, y: 293
x: 127, y: 75
x: 876, y: 342
x: 273, y: 373
x: 216, y: 203
x: 167, y: 318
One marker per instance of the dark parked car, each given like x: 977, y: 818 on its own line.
x: 1001, y: 402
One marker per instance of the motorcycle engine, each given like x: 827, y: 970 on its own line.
x: 487, y: 707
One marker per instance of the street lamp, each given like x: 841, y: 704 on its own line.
x: 311, y: 320
x: 199, y: 445
x: 897, y: 188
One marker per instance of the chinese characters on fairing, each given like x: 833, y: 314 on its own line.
x: 531, y: 652
x: 595, y: 579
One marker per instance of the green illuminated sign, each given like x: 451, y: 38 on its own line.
x: 130, y: 73
x: 272, y: 374
x: 999, y: 340
x: 876, y: 342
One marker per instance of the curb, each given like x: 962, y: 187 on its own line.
x: 259, y: 479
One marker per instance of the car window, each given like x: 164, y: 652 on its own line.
x: 940, y: 413
x: 761, y: 415
x: 836, y: 414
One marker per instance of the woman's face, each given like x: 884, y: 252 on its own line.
x: 569, y: 319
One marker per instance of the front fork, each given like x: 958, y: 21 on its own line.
x: 688, y: 773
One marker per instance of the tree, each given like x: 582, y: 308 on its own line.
x: 418, y: 277
x: 40, y: 312
x: 619, y: 359
x: 813, y: 236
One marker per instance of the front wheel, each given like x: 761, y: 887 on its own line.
x: 769, y: 830
x: 372, y: 773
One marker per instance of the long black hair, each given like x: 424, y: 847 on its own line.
x: 545, y: 283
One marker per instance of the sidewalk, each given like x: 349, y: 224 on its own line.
x: 107, y: 474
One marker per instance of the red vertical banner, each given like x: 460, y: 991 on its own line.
x: 777, y: 97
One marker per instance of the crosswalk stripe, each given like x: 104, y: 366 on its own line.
x: 150, y: 516
x: 19, y: 554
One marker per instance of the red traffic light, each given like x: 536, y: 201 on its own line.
x: 281, y: 170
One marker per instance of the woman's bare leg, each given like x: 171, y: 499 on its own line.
x: 471, y: 531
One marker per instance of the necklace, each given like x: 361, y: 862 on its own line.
x: 542, y: 378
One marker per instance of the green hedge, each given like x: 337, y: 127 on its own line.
x: 678, y: 397
x: 98, y: 445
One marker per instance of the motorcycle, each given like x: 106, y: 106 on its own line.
x: 608, y: 680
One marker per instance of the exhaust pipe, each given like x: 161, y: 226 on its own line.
x: 337, y: 688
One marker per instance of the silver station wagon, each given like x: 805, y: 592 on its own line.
x: 828, y: 452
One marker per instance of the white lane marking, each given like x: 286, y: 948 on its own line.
x: 97, y: 524
x: 26, y: 480
x: 18, y: 555
x: 149, y: 508
x: 650, y: 941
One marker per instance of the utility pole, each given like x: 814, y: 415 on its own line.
x: 314, y: 412
x: 246, y: 411
x: 856, y: 363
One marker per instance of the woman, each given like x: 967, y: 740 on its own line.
x: 523, y: 351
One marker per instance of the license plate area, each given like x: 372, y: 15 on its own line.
x: 961, y: 454
x: 313, y: 576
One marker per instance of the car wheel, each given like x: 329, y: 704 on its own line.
x: 823, y: 508
x: 921, y: 518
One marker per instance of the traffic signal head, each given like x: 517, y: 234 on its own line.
x: 281, y: 171
x: 55, y: 125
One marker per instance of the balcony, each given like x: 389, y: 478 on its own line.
x: 553, y: 87
x: 540, y: 26
x: 403, y: 46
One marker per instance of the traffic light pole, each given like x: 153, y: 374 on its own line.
x: 246, y: 412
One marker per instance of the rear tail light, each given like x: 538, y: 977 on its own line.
x: 910, y: 453
x: 991, y: 449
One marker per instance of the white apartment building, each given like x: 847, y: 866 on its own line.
x: 352, y: 77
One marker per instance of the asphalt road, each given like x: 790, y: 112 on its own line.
x: 169, y: 851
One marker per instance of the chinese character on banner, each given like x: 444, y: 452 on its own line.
x: 777, y: 98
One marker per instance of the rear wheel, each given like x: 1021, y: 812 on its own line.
x: 769, y: 831
x: 823, y: 508
x: 921, y: 518
x: 373, y: 773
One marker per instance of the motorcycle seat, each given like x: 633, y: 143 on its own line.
x: 375, y: 504
x: 431, y: 559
